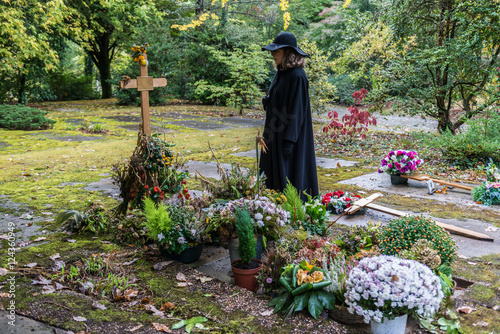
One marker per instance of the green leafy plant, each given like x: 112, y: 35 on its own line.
x: 403, y: 232
x: 302, y: 288
x: 294, y: 204
x: 89, y: 127
x: 95, y: 265
x: 94, y: 220
x: 20, y: 117
x: 316, y: 216
x: 246, y: 235
x: 487, y: 194
x: 191, y: 324
x: 158, y: 219
x: 359, y: 239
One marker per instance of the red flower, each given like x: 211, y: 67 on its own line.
x: 180, y: 195
x: 347, y: 199
x: 357, y: 196
x: 341, y: 193
x: 185, y: 191
x: 348, y: 205
x: 156, y: 189
x: 184, y: 181
x: 146, y: 187
x: 188, y: 196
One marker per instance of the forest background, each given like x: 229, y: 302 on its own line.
x: 437, y: 59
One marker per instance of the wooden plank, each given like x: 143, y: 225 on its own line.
x: 447, y: 227
x: 359, y: 204
x: 132, y: 83
x: 421, y: 177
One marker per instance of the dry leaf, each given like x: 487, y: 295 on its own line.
x: 60, y: 286
x: 134, y: 329
x: 183, y: 284
x: 79, y: 319
x: 266, y: 313
x: 161, y: 327
x: 466, y: 309
x: 3, y: 271
x: 161, y: 265
x: 338, y: 164
x: 4, y: 236
x: 39, y: 239
x: 4, y: 295
x: 154, y: 310
x: 98, y: 305
x: 41, y: 280
x: 491, y: 229
x: 71, y: 240
x: 129, y: 294
x: 31, y: 265
x: 55, y: 256
x: 205, y: 279
x: 167, y: 306
x: 48, y: 289
x: 129, y: 262
x: 481, y: 324
x: 181, y: 277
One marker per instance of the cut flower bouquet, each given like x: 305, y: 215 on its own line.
x: 387, y: 286
x: 400, y: 162
x: 338, y: 201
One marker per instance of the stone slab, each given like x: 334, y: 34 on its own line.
x: 207, y: 169
x: 24, y: 325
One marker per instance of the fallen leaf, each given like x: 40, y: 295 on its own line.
x: 79, y: 318
x: 71, y: 240
x: 338, y: 164
x: 48, y: 289
x: 3, y: 271
x: 23, y: 244
x: 466, y: 309
x: 161, y: 265
x: 167, y: 306
x: 98, y: 305
x: 205, y: 279
x: 87, y: 286
x: 154, y: 310
x: 472, y: 263
x: 181, y: 277
x: 183, y: 284
x: 47, y: 213
x: 39, y: 239
x: 129, y: 294
x: 4, y: 295
x: 55, y: 256
x: 134, y: 328
x: 31, y: 265
x: 491, y: 229
x: 60, y: 286
x: 4, y: 236
x: 266, y: 313
x: 58, y: 265
x: 41, y: 280
x: 481, y: 324
x: 161, y: 327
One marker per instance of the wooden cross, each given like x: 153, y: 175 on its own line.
x: 144, y: 84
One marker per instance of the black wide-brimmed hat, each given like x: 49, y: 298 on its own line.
x: 284, y: 40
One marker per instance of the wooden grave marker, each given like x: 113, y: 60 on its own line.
x: 421, y: 177
x: 144, y: 84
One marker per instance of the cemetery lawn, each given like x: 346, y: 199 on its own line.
x: 46, y: 172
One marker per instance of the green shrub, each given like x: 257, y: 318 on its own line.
x: 486, y: 194
x: 246, y: 235
x: 477, y: 143
x: 20, y: 117
x: 403, y: 232
x: 70, y: 87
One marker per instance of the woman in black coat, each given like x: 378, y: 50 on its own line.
x: 288, y: 131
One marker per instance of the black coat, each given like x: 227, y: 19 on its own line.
x: 289, y: 125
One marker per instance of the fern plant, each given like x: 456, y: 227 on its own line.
x: 294, y: 204
x: 158, y: 221
x: 246, y: 235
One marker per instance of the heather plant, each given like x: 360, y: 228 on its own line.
x: 402, y: 233
x: 353, y: 124
x: 20, y: 117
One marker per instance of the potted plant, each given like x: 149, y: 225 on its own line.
x: 246, y: 268
x: 386, y: 289
x: 400, y: 162
x: 176, y: 230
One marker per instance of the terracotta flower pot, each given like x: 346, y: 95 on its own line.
x: 246, y: 278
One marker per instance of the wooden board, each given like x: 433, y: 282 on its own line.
x: 132, y: 83
x: 359, y: 204
x: 421, y: 177
x: 447, y: 227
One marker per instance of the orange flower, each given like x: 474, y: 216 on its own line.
x: 317, y: 276
x: 301, y: 275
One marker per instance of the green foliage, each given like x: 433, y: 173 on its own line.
x: 246, y: 235
x: 158, y: 219
x: 478, y: 142
x: 246, y: 70
x: 316, y: 216
x: 359, y: 239
x: 69, y: 87
x: 20, y: 117
x: 297, y: 295
x: 293, y: 204
x: 94, y: 220
x: 95, y: 265
x: 403, y: 232
x: 321, y: 91
x: 191, y: 323
x: 345, y: 87
x: 487, y: 194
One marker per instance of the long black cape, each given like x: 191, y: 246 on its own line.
x: 289, y: 122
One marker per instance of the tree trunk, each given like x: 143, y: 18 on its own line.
x: 22, y: 88
x: 102, y: 53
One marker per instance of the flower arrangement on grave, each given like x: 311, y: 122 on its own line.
x: 138, y: 54
x: 360, y: 241
x: 400, y: 162
x: 302, y: 288
x: 488, y: 192
x: 153, y: 171
x: 316, y: 216
x: 338, y: 201
x: 267, y: 217
x: 337, y: 268
x: 175, y: 228
x: 387, y: 287
x: 403, y: 233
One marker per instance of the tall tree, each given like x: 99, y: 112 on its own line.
x: 27, y: 28
x: 451, y: 56
x: 102, y: 27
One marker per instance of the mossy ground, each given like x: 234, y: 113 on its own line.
x: 41, y: 173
